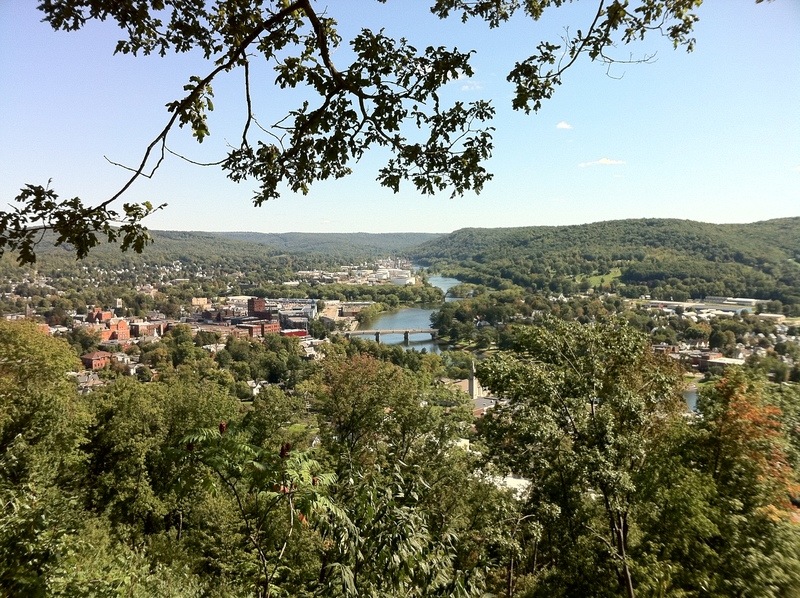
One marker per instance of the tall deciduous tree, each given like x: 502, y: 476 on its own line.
x: 586, y: 404
x: 274, y: 494
x: 744, y: 449
x: 407, y: 488
x: 42, y: 424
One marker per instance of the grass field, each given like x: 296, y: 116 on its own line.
x: 603, y: 279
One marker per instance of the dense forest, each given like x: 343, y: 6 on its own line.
x: 666, y: 259
x: 341, y: 245
x: 364, y: 475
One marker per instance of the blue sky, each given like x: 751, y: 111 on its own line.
x: 713, y: 135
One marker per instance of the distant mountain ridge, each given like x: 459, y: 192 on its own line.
x: 237, y: 251
x: 323, y: 242
x: 778, y: 238
x: 666, y: 257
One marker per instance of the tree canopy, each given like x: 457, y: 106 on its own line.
x: 362, y: 476
x: 387, y: 96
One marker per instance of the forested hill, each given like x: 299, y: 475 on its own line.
x: 338, y: 243
x: 671, y: 258
x: 237, y: 250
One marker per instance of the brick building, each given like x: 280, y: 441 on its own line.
x: 258, y: 307
x: 96, y: 360
x: 98, y: 316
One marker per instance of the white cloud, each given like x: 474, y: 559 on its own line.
x: 471, y: 85
x: 602, y: 162
x: 467, y: 82
x: 796, y: 168
x: 563, y: 125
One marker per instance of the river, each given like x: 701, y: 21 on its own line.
x: 410, y: 318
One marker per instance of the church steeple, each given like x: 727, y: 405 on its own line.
x: 475, y: 390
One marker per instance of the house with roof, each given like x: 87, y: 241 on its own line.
x: 96, y: 360
x: 98, y: 315
x: 87, y: 381
x: 116, y: 329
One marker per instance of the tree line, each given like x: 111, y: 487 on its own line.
x: 363, y: 475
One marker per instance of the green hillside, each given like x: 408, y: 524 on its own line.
x: 338, y: 243
x: 237, y: 251
x: 666, y: 259
x: 675, y: 259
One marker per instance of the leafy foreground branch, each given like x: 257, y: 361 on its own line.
x: 387, y: 97
x: 355, y: 481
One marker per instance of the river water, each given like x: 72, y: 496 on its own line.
x: 410, y: 318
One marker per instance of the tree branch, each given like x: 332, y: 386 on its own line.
x: 236, y: 54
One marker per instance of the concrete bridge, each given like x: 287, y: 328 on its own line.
x: 406, y: 332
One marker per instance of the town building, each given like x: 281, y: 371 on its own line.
x: 96, y: 360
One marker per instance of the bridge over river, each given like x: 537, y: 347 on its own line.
x: 406, y: 332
